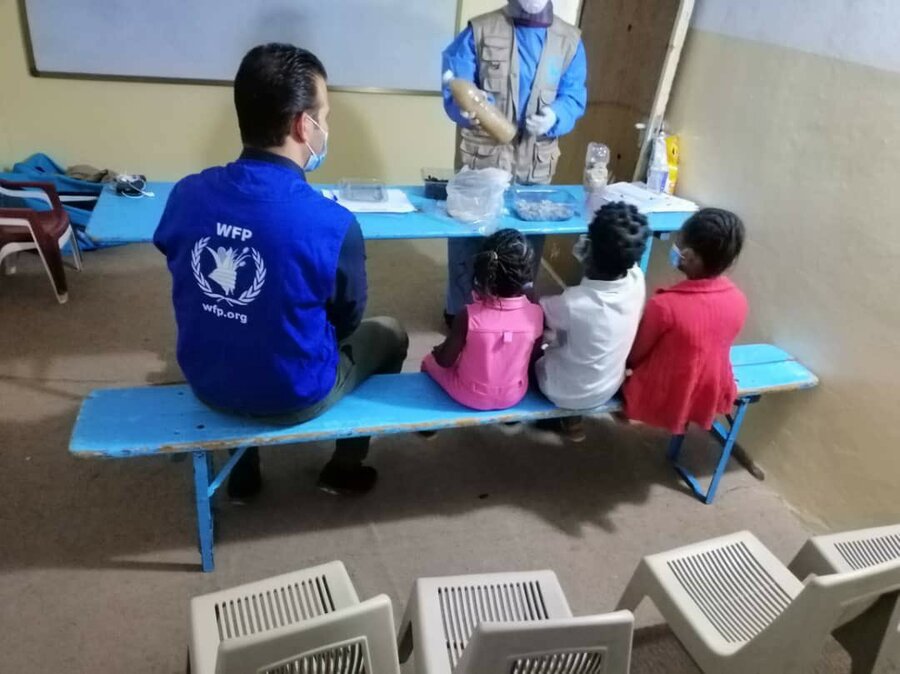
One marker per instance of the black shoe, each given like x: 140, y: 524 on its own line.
x: 448, y: 319
x: 570, y: 428
x: 245, y: 480
x: 347, y: 481
x: 550, y: 425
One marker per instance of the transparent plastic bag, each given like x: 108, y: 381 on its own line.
x: 475, y: 196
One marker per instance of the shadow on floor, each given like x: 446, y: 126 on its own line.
x: 67, y: 512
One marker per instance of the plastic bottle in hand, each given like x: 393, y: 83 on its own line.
x: 473, y: 101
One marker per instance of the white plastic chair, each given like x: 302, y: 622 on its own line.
x: 508, y: 623
x: 847, y: 551
x: 737, y: 609
x: 870, y: 631
x: 309, y: 621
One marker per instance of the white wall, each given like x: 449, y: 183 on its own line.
x: 858, y: 31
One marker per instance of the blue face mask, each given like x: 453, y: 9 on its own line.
x: 316, y: 159
x: 675, y: 256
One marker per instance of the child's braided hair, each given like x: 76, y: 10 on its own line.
x: 505, y: 265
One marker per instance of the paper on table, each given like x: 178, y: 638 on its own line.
x: 647, y: 201
x: 396, y: 202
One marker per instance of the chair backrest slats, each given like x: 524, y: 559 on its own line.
x: 359, y: 639
x: 598, y: 644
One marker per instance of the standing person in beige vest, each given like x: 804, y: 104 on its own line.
x: 532, y: 64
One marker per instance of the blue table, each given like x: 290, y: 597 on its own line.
x: 118, y: 219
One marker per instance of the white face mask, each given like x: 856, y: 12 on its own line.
x: 582, y: 248
x: 675, y: 256
x: 533, y: 6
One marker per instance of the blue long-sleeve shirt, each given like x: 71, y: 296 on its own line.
x: 461, y: 57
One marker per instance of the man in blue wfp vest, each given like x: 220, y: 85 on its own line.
x: 533, y: 65
x: 269, y: 276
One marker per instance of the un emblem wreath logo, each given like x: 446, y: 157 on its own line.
x: 225, y: 275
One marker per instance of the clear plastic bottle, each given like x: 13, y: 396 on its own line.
x: 658, y: 168
x: 472, y: 100
x: 596, y: 163
x: 596, y: 176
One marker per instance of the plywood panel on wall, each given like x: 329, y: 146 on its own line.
x: 625, y: 42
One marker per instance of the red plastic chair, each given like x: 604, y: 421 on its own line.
x: 47, y: 232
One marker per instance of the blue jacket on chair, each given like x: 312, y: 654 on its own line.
x: 267, y: 276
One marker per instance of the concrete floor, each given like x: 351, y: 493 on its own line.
x: 98, y: 559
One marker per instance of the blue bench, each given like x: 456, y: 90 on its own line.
x: 154, y: 420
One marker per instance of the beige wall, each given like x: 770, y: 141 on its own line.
x: 804, y: 147
x: 168, y: 130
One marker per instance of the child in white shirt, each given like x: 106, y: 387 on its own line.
x: 591, y: 326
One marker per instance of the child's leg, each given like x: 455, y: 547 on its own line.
x: 447, y: 379
x: 442, y: 375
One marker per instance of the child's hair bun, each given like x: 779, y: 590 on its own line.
x: 618, y: 234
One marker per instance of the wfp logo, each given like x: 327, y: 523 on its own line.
x: 226, y: 272
x: 555, y: 70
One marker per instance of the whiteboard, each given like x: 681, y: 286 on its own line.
x: 364, y: 44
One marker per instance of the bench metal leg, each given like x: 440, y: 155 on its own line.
x: 675, y: 447
x: 645, y: 258
x: 206, y: 482
x: 202, y: 474
x: 727, y: 436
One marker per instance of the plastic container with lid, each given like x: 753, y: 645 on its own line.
x: 362, y: 189
x: 544, y: 204
x: 436, y: 183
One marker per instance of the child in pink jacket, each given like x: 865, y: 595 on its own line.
x: 483, y: 364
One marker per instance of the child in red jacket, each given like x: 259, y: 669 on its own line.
x: 680, y: 361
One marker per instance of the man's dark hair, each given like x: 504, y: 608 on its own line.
x: 716, y: 235
x: 274, y: 84
x: 618, y: 235
x: 505, y: 265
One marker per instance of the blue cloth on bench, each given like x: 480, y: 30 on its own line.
x: 41, y: 167
x: 150, y: 420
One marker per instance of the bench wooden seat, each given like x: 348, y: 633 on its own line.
x: 152, y: 420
